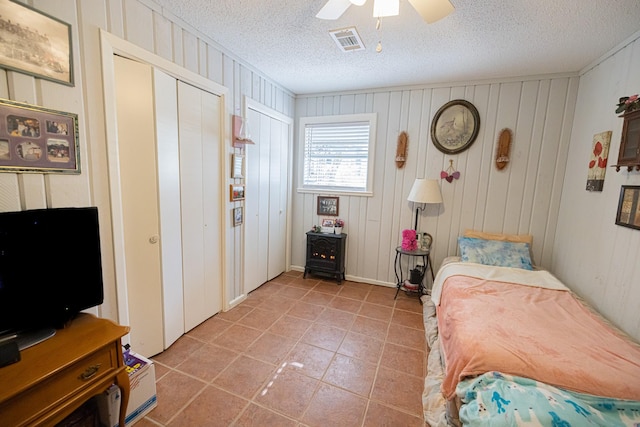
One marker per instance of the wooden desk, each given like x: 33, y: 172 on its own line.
x: 58, y: 375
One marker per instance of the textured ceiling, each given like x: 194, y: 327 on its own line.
x: 480, y: 40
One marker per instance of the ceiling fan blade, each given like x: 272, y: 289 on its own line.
x: 333, y: 9
x: 432, y: 10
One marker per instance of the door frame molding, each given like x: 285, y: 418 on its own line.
x: 112, y: 45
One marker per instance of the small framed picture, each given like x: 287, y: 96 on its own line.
x: 237, y: 166
x: 328, y: 205
x: 238, y: 216
x: 629, y: 207
x: 327, y: 225
x: 237, y: 192
x: 38, y: 140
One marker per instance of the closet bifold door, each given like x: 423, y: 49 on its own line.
x: 200, y: 189
x: 139, y: 203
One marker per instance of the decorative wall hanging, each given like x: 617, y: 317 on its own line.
x: 450, y: 174
x: 240, y: 133
x: 629, y: 207
x: 629, y: 151
x: 598, y: 162
x: 237, y: 166
x: 504, y: 144
x: 401, y: 149
x: 237, y: 192
x: 37, y: 139
x: 328, y: 205
x: 455, y: 126
x: 238, y: 216
x: 35, y: 43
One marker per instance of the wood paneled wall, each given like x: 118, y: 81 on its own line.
x: 145, y: 24
x: 522, y: 198
x: 595, y: 257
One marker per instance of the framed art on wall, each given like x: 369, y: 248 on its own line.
x: 237, y: 192
x: 328, y: 205
x: 38, y: 140
x: 455, y: 126
x: 629, y: 207
x: 237, y: 166
x: 35, y: 43
x: 238, y: 216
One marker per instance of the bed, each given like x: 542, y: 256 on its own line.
x: 509, y: 344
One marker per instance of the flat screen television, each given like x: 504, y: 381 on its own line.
x: 50, y: 270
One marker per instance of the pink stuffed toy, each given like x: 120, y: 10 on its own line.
x: 409, y: 242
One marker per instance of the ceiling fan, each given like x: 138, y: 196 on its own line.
x: 430, y: 10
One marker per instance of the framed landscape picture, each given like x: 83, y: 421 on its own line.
x: 328, y: 205
x: 629, y: 207
x: 35, y: 43
x: 36, y: 139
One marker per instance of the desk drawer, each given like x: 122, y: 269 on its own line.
x: 55, y: 391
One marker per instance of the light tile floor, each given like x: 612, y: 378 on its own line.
x: 298, y: 352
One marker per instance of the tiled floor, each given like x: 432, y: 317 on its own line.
x: 298, y: 352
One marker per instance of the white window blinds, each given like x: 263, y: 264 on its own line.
x: 336, y: 155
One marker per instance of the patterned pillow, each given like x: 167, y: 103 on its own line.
x: 495, y: 252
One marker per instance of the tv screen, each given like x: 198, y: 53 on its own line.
x: 50, y: 267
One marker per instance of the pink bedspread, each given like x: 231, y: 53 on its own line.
x: 543, y: 334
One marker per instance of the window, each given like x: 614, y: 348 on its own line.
x: 337, y: 153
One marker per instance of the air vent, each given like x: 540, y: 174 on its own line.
x: 347, y: 39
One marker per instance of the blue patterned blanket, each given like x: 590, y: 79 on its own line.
x: 496, y: 399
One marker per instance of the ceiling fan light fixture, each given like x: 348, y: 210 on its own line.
x: 383, y: 8
x: 358, y: 2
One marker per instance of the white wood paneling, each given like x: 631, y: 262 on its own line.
x: 519, y: 199
x: 595, y: 257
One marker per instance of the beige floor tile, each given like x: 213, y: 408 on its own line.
x: 306, y: 311
x: 334, y: 407
x: 338, y: 318
x: 270, y: 348
x: 237, y: 338
x: 211, y: 408
x: 256, y: 416
x: 298, y: 352
x: 244, y: 376
x: 397, y: 389
x: 373, y: 328
x: 207, y: 362
x: 376, y: 311
x: 346, y: 304
x: 173, y: 392
x: 180, y: 350
x: 408, y: 337
x: 309, y: 360
x: 362, y: 347
x: 288, y: 392
x: 383, y: 416
x: 403, y: 359
x: 259, y: 319
x: 324, y: 336
x: 290, y: 326
x: 351, y: 374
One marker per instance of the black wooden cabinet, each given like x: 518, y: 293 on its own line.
x: 325, y: 254
x: 629, y: 154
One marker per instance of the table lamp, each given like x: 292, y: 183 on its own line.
x: 424, y: 191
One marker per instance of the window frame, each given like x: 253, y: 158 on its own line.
x: 337, y: 119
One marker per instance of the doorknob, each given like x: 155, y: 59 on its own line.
x: 154, y: 239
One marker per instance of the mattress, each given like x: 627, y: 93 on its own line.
x: 511, y: 358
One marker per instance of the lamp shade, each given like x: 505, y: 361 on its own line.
x: 425, y: 191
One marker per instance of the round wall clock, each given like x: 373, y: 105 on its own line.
x: 455, y: 126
